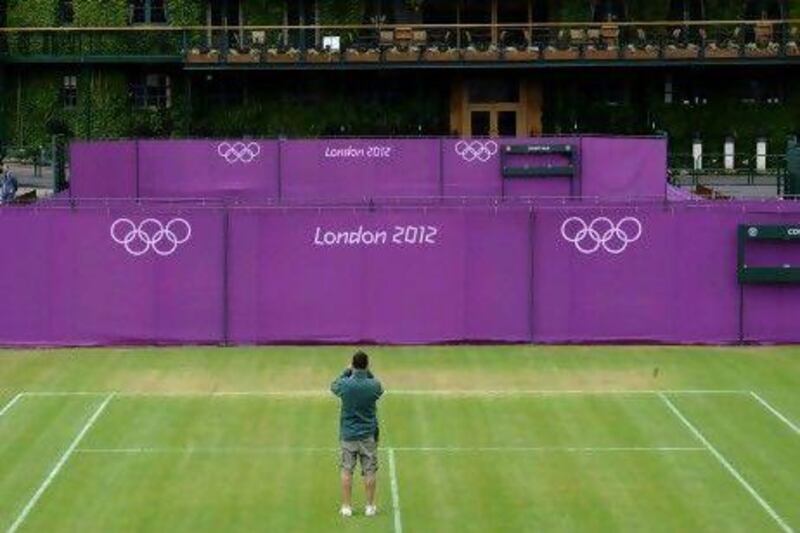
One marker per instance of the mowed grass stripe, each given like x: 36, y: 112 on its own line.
x: 194, y: 493
x: 33, y: 436
x: 573, y: 492
x: 758, y: 445
x: 418, y: 422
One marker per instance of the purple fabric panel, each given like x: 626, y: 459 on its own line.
x: 245, y: 170
x: 596, y: 295
x: 549, y: 187
x: 471, y: 167
x: 103, y: 169
x: 623, y: 167
x: 354, y: 169
x: 68, y: 283
x: 466, y: 280
x: 705, y: 306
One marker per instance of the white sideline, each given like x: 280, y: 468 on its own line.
x: 433, y: 449
x: 58, y: 466
x: 398, y: 392
x: 10, y: 404
x: 724, y: 462
x: 398, y: 522
x: 775, y: 412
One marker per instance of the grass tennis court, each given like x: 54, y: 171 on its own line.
x: 514, y: 438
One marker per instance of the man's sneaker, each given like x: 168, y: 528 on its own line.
x: 346, y: 511
x: 371, y: 510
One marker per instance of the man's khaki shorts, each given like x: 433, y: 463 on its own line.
x: 365, y: 450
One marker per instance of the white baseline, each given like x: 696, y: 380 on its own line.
x: 58, y: 466
x: 724, y: 462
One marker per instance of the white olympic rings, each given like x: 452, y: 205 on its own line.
x: 151, y: 234
x: 601, y: 232
x: 239, y: 152
x: 476, y: 150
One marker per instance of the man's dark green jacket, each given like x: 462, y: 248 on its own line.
x: 359, y: 392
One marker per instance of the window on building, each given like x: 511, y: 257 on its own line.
x: 66, y: 12
x: 685, y: 91
x: 69, y: 92
x: 762, y: 91
x: 151, y: 91
x: 148, y: 11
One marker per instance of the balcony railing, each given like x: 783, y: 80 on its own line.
x: 411, y: 44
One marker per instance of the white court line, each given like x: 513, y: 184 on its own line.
x: 398, y: 392
x: 724, y: 462
x: 398, y: 522
x: 59, y: 465
x: 10, y: 404
x: 772, y: 410
x: 433, y: 449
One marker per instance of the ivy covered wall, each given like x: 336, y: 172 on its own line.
x: 306, y: 104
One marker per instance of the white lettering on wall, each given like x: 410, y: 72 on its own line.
x: 351, y: 152
x: 396, y: 236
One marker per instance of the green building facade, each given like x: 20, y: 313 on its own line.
x: 708, y: 69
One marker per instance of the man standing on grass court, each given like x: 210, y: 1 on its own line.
x: 358, y: 429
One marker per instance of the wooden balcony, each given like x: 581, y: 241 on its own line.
x: 411, y: 46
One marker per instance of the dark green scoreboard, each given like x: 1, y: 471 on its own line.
x: 767, y: 274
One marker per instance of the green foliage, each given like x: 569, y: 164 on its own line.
x: 101, y: 13
x: 723, y: 9
x: 647, y: 10
x: 341, y: 11
x: 263, y: 12
x: 570, y: 10
x: 32, y: 13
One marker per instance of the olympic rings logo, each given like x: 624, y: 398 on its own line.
x: 601, y: 232
x: 151, y: 234
x: 239, y: 152
x: 476, y: 150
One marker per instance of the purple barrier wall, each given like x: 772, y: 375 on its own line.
x: 66, y: 281
x: 208, y: 169
x: 619, y: 167
x: 544, y: 273
x: 347, y: 170
x: 402, y: 277
x: 103, y: 169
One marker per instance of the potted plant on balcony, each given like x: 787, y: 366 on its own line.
x: 323, y: 56
x: 202, y: 54
x: 441, y: 53
x: 362, y: 55
x: 551, y: 53
x: 689, y: 51
x: 474, y: 53
x: 522, y: 53
x: 769, y: 50
x: 727, y: 51
x: 646, y: 52
x: 252, y: 55
x: 601, y: 53
x: 402, y: 54
x: 282, y: 55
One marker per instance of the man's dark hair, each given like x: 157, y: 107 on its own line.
x: 360, y: 360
